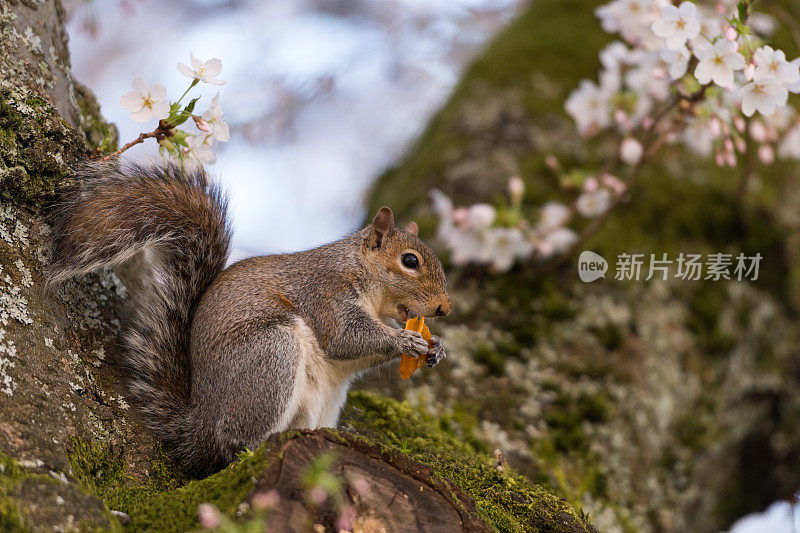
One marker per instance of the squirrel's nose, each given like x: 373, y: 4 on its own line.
x: 443, y: 309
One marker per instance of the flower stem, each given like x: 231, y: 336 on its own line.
x: 194, y: 82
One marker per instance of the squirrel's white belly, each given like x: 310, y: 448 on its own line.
x: 320, y: 385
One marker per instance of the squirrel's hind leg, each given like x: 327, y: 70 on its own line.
x: 250, y: 387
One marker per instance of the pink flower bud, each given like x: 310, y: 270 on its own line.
x: 202, y: 125
x: 749, y: 71
x: 731, y: 34
x: 208, y: 516
x: 730, y: 159
x: 719, y: 159
x: 264, y: 501
x: 461, y: 216
x: 727, y: 143
x: 741, y: 146
x: 766, y: 154
x: 630, y: 150
x: 516, y: 189
x: 647, y: 123
x: 317, y: 495
x: 613, y: 183
x: 739, y: 123
x: 620, y: 116
x: 590, y: 184
x: 715, y: 127
x: 347, y: 517
x: 758, y: 131
x: 552, y: 162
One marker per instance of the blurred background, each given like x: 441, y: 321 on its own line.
x: 321, y: 95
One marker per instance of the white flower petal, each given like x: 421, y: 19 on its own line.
x: 140, y: 86
x: 703, y: 72
x: 131, y: 101
x: 213, y: 67
x: 160, y: 110
x: 222, y: 132
x: 143, y: 115
x: 196, y: 63
x: 158, y: 92
x: 185, y: 70
x: 722, y: 75
x: 215, y: 81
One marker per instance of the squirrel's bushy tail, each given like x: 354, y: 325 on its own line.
x: 117, y: 212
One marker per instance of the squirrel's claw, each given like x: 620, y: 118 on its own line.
x: 411, y: 343
x: 436, y: 353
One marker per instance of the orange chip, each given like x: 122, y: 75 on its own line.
x: 408, y: 364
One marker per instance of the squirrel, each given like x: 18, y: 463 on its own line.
x: 218, y: 358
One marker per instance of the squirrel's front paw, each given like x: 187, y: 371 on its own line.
x: 436, y: 353
x: 411, y: 343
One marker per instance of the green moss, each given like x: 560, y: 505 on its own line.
x: 96, y: 465
x: 10, y: 513
x: 505, y: 499
x: 37, y: 148
x: 99, y: 133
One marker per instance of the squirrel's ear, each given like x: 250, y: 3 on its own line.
x: 413, y: 229
x: 382, y: 226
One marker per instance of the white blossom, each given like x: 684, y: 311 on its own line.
x: 213, y: 116
x: 145, y: 102
x: 504, y: 245
x: 772, y: 63
x: 200, y: 146
x: 556, y: 241
x: 717, y: 62
x: 588, y: 105
x: 677, y: 24
x: 764, y: 95
x: 553, y: 215
x: 205, y: 71
x: 630, y: 150
x: 481, y: 216
x: 594, y: 203
x: 795, y: 87
x: 790, y: 145
x: 678, y: 61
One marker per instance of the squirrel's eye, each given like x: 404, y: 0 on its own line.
x: 410, y: 261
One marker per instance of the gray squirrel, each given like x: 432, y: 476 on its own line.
x: 220, y: 358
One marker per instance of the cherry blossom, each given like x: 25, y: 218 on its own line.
x: 200, y: 146
x: 589, y: 107
x: 214, y: 118
x: 505, y: 245
x: 553, y: 215
x: 677, y: 24
x: 205, y: 71
x: 790, y: 145
x: 764, y: 96
x: 795, y: 87
x: 594, y: 203
x: 717, y: 62
x: 630, y: 150
x: 146, y: 102
x: 772, y: 63
x: 481, y: 216
x: 678, y: 61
